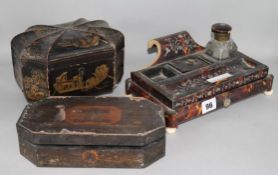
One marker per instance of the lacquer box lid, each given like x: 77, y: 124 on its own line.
x: 118, y: 132
x: 75, y: 58
x: 92, y: 121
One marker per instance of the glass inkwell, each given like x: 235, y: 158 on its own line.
x: 221, y: 46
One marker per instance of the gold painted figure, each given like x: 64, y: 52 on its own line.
x: 35, y: 86
x: 63, y: 85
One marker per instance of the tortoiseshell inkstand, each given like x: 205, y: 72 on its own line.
x: 71, y: 59
x: 189, y: 80
x: 106, y: 132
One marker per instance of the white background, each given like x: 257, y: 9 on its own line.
x: 242, y: 139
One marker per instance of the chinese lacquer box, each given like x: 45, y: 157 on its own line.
x: 76, y: 58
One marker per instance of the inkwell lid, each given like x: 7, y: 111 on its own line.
x: 221, y: 31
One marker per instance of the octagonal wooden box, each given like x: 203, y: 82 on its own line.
x: 118, y: 132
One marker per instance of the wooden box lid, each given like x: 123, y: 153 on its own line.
x: 111, y: 121
x: 51, y: 43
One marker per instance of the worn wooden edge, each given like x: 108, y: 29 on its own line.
x: 92, y: 156
x: 133, y: 89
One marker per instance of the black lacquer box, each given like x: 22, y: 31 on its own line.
x: 76, y: 58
